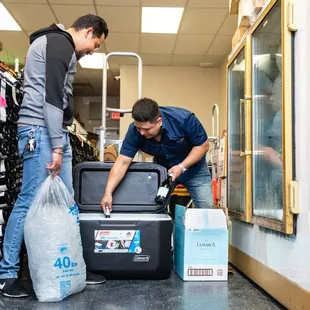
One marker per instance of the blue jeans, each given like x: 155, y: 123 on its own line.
x: 34, y: 174
x: 200, y: 189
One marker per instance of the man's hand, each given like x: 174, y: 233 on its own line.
x: 106, y: 202
x: 56, y: 163
x: 272, y: 156
x: 176, y: 171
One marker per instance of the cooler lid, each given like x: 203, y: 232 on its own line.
x: 137, y: 190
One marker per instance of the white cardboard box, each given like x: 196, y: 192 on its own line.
x: 200, y: 244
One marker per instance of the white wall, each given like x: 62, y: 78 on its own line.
x: 196, y: 89
x: 290, y: 256
x: 82, y: 106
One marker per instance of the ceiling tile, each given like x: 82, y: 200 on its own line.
x: 79, y: 73
x: 78, y: 79
x: 193, y: 44
x: 95, y: 74
x: 118, y: 2
x: 216, y: 60
x: 113, y: 66
x: 75, y: 2
x: 115, y: 70
x: 121, y: 19
x: 23, y: 1
x: 202, y: 21
x: 157, y: 43
x: 208, y: 4
x: 22, y: 12
x: 68, y: 14
x: 230, y: 25
x: 221, y: 46
x: 122, y: 42
x: 163, y: 3
x: 156, y: 59
x: 15, y: 45
x: 186, y: 60
x: 114, y: 62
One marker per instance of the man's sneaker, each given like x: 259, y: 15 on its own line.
x: 94, y: 278
x: 12, y: 288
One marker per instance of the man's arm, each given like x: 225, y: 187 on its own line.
x: 196, y: 154
x: 193, y: 157
x: 196, y: 134
x: 116, y: 175
x: 57, y: 59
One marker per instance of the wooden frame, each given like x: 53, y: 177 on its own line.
x: 286, y: 225
x: 246, y: 215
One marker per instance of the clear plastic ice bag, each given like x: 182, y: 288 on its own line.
x: 53, y: 242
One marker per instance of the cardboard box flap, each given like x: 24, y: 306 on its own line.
x: 205, y: 218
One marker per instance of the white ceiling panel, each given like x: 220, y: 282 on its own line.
x: 186, y: 60
x: 15, y: 45
x: 113, y: 66
x: 216, y: 60
x: 68, y: 14
x: 23, y: 1
x: 114, y: 70
x: 95, y: 74
x: 121, y: 19
x: 75, y: 2
x: 79, y: 79
x: 202, y: 21
x: 230, y: 25
x: 118, y: 2
x: 208, y: 4
x: 156, y: 59
x: 193, y: 44
x: 22, y: 12
x: 164, y: 3
x: 157, y: 43
x: 115, y: 62
x: 123, y: 42
x: 221, y: 46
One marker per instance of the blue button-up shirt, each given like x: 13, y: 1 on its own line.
x: 181, y: 131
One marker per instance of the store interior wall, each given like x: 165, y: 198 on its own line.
x: 289, y: 256
x: 90, y: 112
x: 196, y: 89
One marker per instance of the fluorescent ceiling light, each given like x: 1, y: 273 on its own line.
x: 94, y: 61
x: 161, y: 19
x: 7, y: 22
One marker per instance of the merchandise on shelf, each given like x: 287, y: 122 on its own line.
x: 11, y: 168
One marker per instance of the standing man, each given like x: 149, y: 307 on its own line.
x: 45, y: 112
x: 177, y: 140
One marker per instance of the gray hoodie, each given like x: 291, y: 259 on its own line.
x: 48, y: 77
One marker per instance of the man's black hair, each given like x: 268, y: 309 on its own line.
x: 145, y: 110
x: 92, y: 21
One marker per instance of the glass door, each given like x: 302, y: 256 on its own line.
x: 267, y: 160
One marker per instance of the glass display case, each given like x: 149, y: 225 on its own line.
x: 260, y: 153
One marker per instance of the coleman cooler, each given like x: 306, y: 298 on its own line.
x: 127, y: 246
x: 135, y: 194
